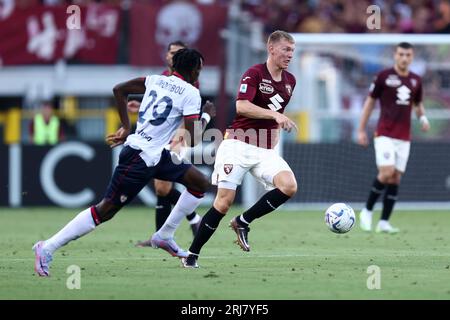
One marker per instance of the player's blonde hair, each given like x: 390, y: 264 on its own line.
x: 278, y: 35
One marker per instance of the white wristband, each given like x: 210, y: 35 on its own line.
x: 206, y: 117
x: 423, y: 119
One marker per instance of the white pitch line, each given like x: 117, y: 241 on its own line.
x: 249, y: 256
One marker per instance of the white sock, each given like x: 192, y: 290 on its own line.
x: 185, y: 205
x: 82, y: 224
x: 196, y: 219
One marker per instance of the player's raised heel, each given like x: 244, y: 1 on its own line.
x: 42, y: 259
x: 242, y: 234
x: 169, y: 245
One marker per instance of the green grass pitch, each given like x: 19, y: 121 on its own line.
x: 293, y: 257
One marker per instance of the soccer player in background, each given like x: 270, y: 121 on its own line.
x: 166, y: 194
x: 399, y: 90
x: 167, y: 102
x: 264, y: 92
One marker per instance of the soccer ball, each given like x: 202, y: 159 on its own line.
x: 340, y: 218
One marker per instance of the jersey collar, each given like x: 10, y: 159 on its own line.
x: 176, y: 74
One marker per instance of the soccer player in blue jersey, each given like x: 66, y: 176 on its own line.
x: 167, y: 102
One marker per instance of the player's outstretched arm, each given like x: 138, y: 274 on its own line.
x: 420, y: 113
x: 369, y: 104
x: 194, y: 127
x: 121, y: 92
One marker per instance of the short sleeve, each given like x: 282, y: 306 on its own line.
x: 192, y: 104
x: 419, y: 92
x: 294, y: 82
x: 248, y: 85
x: 376, y: 87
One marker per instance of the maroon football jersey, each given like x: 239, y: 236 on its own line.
x: 397, y: 95
x: 258, y: 87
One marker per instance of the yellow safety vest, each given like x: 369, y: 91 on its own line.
x: 46, y: 133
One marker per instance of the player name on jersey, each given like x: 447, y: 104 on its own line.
x: 171, y: 87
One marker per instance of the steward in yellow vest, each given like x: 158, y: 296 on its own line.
x: 46, y: 127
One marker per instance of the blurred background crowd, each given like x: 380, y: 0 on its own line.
x: 404, y: 16
x: 120, y: 39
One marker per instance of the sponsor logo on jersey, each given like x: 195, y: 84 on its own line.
x: 144, y: 135
x: 123, y: 198
x: 246, y: 78
x: 266, y: 88
x: 414, y: 82
x: 243, y: 88
x: 266, y: 81
x: 289, y: 89
x: 393, y: 81
x: 403, y: 95
x: 227, y: 168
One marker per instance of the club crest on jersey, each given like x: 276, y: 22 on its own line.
x: 414, y: 82
x: 393, y: 81
x: 123, y: 198
x: 227, y: 168
x: 289, y: 89
x: 266, y: 88
x: 386, y: 155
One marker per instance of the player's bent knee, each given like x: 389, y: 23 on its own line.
x: 196, y: 181
x: 162, y: 188
x: 222, y: 205
x: 386, y: 175
x: 202, y: 184
x: 289, y: 188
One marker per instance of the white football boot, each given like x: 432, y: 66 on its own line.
x: 365, y: 219
x: 386, y: 227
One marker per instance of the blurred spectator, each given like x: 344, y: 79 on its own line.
x: 312, y: 16
x: 442, y: 23
x: 45, y: 128
x: 398, y: 16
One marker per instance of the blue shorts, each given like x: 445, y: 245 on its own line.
x: 132, y: 174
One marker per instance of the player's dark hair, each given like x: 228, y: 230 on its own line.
x: 404, y: 45
x: 185, y: 61
x: 178, y: 43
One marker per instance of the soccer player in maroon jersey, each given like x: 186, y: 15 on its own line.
x: 399, y: 90
x: 166, y: 195
x: 264, y: 92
